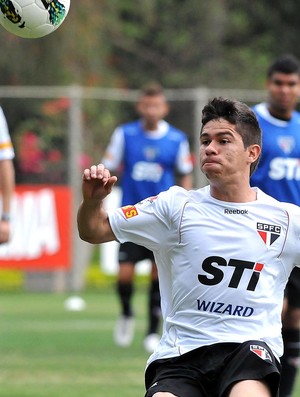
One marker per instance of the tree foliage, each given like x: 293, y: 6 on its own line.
x: 182, y: 43
x: 169, y: 40
x: 124, y: 44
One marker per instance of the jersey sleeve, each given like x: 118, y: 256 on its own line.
x: 6, y: 147
x: 293, y: 237
x: 184, y: 163
x: 148, y: 223
x: 113, y: 155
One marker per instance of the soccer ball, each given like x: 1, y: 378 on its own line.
x: 75, y: 303
x: 33, y: 18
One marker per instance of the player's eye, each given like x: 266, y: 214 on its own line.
x: 279, y: 83
x: 292, y: 84
x: 205, y: 142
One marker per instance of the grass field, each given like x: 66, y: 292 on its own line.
x: 46, y: 351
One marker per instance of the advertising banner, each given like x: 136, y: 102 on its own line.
x: 41, y: 229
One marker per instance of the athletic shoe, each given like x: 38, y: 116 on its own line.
x: 151, y: 342
x: 124, y: 331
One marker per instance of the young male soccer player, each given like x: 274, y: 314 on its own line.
x: 278, y: 174
x: 224, y: 254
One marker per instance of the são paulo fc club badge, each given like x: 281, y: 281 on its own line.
x: 261, y: 352
x: 286, y: 143
x: 268, y: 233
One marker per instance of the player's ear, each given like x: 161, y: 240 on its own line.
x: 253, y: 153
x: 267, y: 84
x: 138, y: 106
x: 167, y: 108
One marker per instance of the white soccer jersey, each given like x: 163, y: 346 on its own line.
x: 6, y: 148
x: 222, y: 266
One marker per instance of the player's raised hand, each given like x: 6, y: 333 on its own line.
x: 97, y: 182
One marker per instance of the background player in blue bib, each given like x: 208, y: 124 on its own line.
x: 278, y: 175
x: 151, y: 155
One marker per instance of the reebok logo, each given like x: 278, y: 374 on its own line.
x: 235, y: 211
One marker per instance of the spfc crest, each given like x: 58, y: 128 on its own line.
x: 286, y: 143
x: 150, y: 153
x: 261, y: 352
x: 268, y: 233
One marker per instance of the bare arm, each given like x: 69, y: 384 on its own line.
x: 92, y: 219
x: 7, y: 182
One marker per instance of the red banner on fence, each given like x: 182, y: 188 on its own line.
x: 41, y: 229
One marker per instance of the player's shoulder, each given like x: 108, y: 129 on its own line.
x: 173, y: 194
x: 259, y: 107
x: 175, y: 133
x: 291, y: 209
x: 167, y: 203
x: 293, y: 213
x: 296, y: 115
x: 261, y: 111
x: 173, y: 197
x: 179, y: 195
x: 130, y: 128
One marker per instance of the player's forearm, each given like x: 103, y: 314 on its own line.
x: 7, y: 180
x: 93, y: 224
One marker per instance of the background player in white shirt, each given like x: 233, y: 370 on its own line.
x: 150, y: 153
x: 224, y: 254
x: 7, y: 178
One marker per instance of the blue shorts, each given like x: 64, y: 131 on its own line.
x: 211, y: 371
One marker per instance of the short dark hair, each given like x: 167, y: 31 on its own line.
x: 287, y: 64
x: 152, y: 89
x: 238, y: 114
